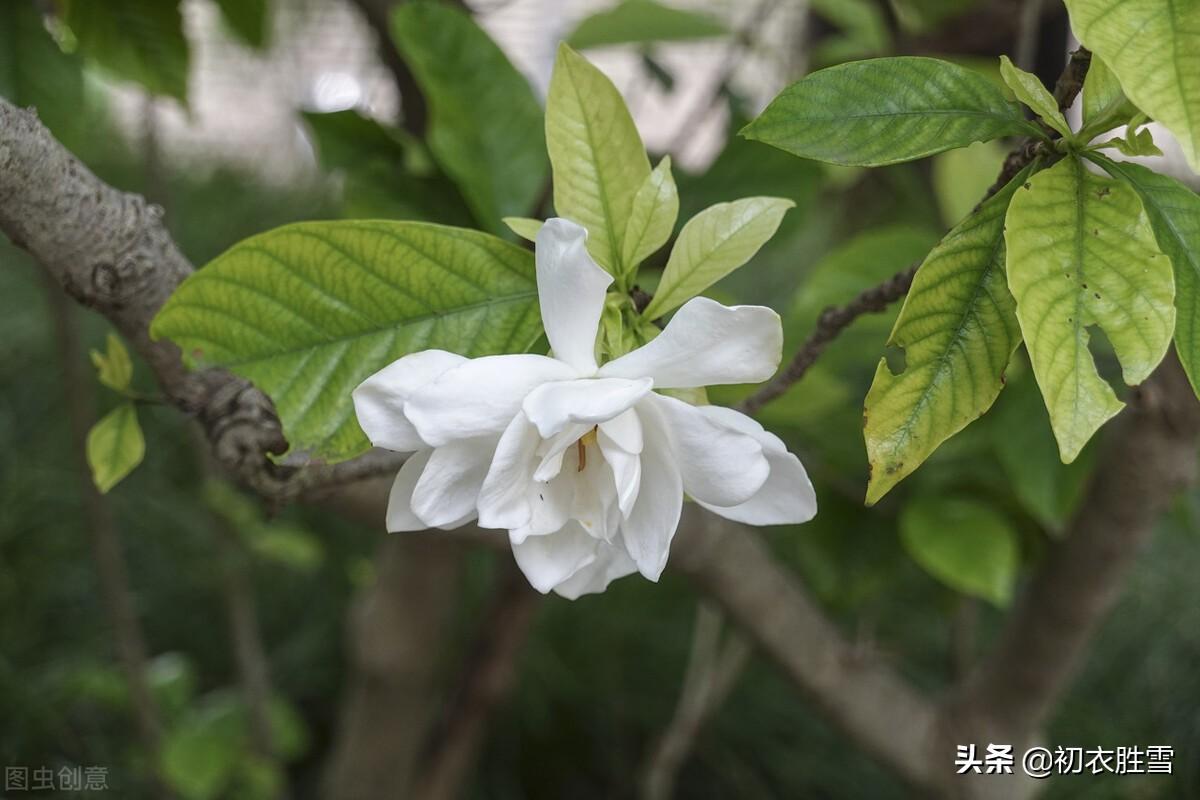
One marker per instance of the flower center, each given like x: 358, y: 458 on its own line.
x: 588, y: 438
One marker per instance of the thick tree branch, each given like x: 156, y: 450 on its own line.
x: 859, y: 692
x: 111, y: 252
x: 1150, y: 456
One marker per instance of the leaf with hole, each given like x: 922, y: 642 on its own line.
x: 713, y: 244
x: 958, y: 329
x: 1081, y: 252
x: 1153, y: 47
x: 597, y: 156
x: 308, y: 311
x: 887, y: 110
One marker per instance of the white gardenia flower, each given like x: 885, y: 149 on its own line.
x: 586, y: 466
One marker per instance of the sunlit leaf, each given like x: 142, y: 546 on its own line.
x: 643, y: 22
x: 957, y: 329
x: 1029, y: 90
x: 598, y: 158
x: 485, y: 125
x: 1104, y: 102
x: 1152, y: 48
x: 1081, y: 252
x: 652, y: 218
x: 115, y: 447
x: 524, y: 227
x: 963, y: 543
x: 307, y: 311
x: 887, y: 110
x: 135, y: 40
x: 1174, y: 212
x: 713, y: 244
x: 114, y: 368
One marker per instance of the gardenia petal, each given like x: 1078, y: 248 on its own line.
x: 706, y: 344
x: 651, y: 523
x: 449, y: 485
x: 379, y: 400
x: 787, y: 497
x: 480, y: 396
x: 611, y: 562
x: 554, y: 406
x: 571, y: 291
x: 504, y: 496
x: 550, y: 560
x: 400, y: 516
x: 626, y: 468
x: 720, y: 464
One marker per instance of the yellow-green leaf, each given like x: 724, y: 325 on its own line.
x: 1174, y: 212
x: 115, y: 447
x: 1081, y: 252
x: 1030, y: 91
x: 643, y: 22
x: 958, y: 329
x: 1153, y: 47
x: 1104, y: 102
x: 713, y: 244
x: 655, y: 207
x: 113, y: 366
x: 308, y: 311
x: 525, y: 227
x: 596, y: 154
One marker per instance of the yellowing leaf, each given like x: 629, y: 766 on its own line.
x: 655, y: 207
x: 1153, y: 47
x: 1104, y: 102
x: 1030, y: 91
x: 115, y: 447
x: 958, y: 329
x: 713, y: 244
x: 596, y: 154
x: 1081, y: 252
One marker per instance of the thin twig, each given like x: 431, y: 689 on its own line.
x: 835, y: 319
x: 711, y: 673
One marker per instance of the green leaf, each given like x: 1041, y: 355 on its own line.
x: 288, y: 545
x: 525, y: 227
x: 485, y: 125
x: 1020, y: 431
x: 199, y: 757
x: 1030, y: 91
x: 247, y: 19
x: 1136, y: 143
x: 1104, y: 102
x: 135, y: 40
x: 713, y: 244
x: 35, y: 72
x: 115, y: 447
x: 958, y: 330
x: 962, y: 176
x: 597, y: 155
x: 1174, y: 212
x: 1081, y: 252
x: 1151, y: 46
x: 887, y: 110
x: 308, y: 311
x: 386, y: 173
x: 643, y: 22
x: 114, y: 367
x: 964, y: 544
x: 655, y: 207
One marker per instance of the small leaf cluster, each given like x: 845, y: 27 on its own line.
x: 115, y: 444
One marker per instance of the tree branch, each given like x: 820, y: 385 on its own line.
x: 111, y: 252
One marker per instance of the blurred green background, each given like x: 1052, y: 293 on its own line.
x: 925, y: 576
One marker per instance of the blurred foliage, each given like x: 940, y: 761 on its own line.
x: 600, y: 676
